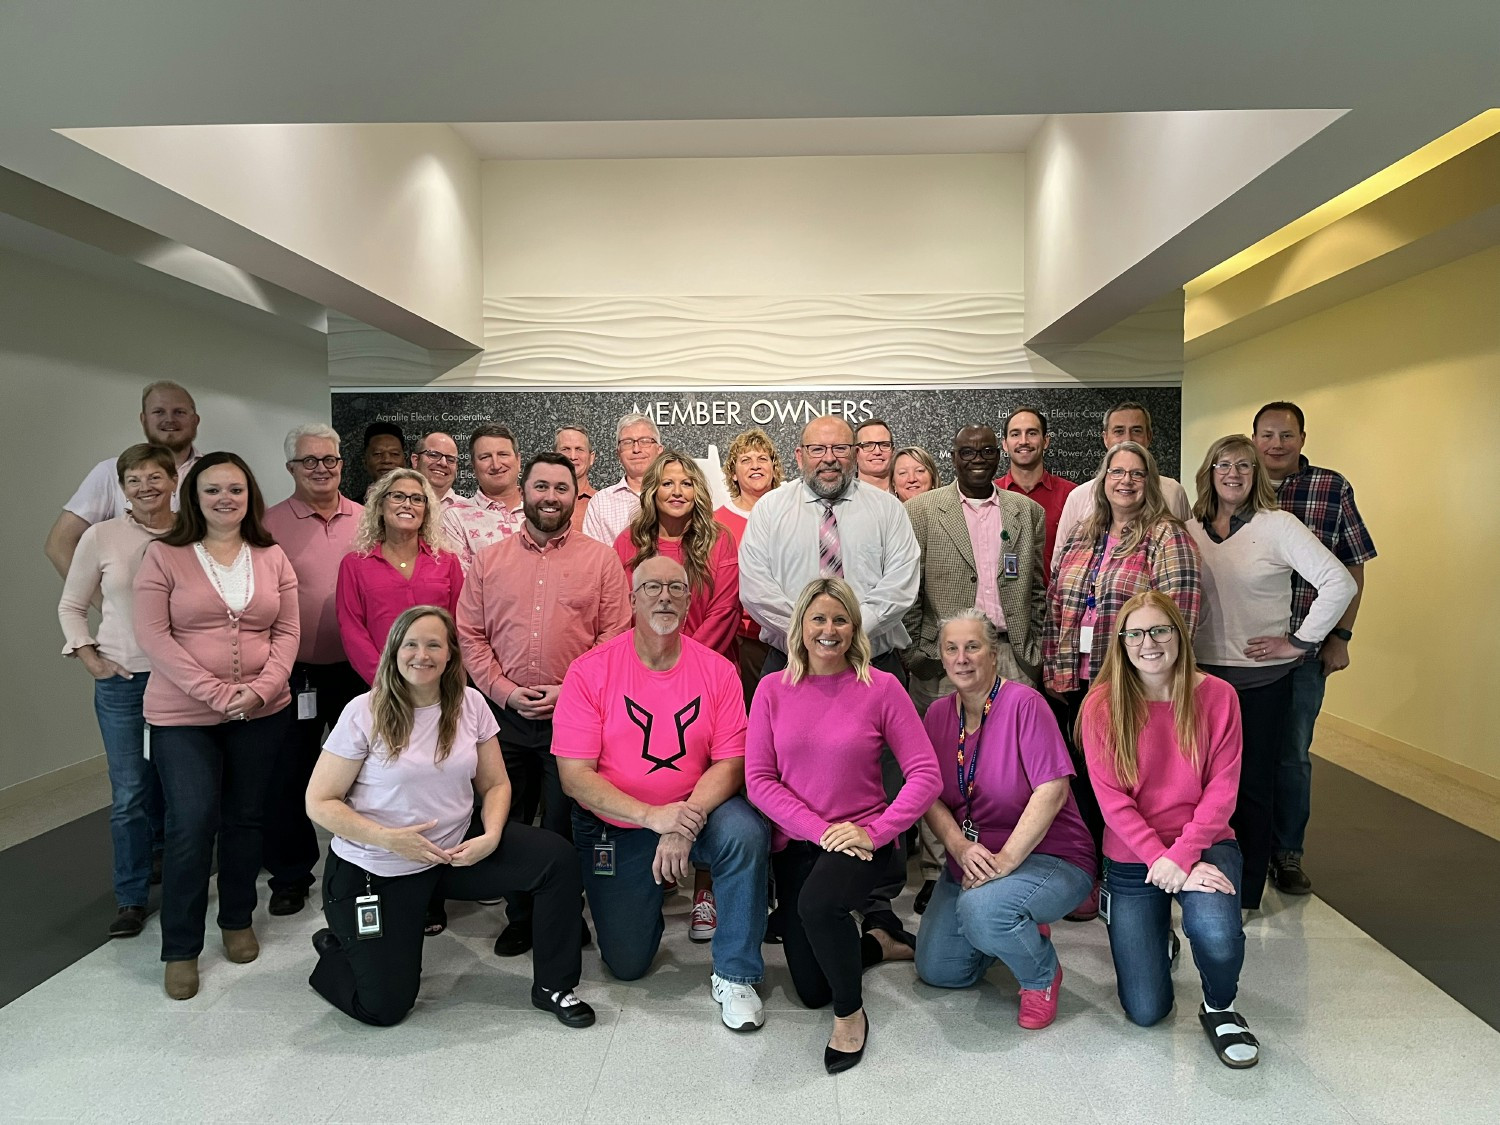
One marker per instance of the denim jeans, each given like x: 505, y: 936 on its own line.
x: 1140, y: 919
x: 734, y: 846
x: 964, y: 932
x: 135, y: 809
x: 215, y: 780
x: 1294, y: 767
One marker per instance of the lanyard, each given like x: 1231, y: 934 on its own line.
x: 1092, y: 601
x: 966, y: 779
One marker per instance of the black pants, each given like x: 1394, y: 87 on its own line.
x: 291, y: 842
x: 214, y: 781
x: 822, y: 943
x: 1066, y: 712
x: 526, y: 746
x: 1266, y: 719
x: 375, y: 980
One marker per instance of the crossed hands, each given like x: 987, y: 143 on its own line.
x: 848, y: 838
x: 410, y: 843
x: 1203, y: 877
x: 979, y: 865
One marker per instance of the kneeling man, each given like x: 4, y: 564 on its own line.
x: 649, y: 733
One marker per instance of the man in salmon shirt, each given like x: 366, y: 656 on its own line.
x: 649, y: 734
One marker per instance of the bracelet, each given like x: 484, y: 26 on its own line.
x: 1345, y: 635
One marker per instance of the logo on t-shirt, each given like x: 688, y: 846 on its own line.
x: 645, y: 720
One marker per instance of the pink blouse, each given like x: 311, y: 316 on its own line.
x: 372, y: 593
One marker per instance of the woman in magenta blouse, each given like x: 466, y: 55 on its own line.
x: 399, y: 559
x: 812, y: 765
x: 216, y: 614
x: 1164, y: 746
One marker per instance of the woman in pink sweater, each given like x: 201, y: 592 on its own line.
x: 216, y: 613
x: 812, y: 765
x: 1163, y: 745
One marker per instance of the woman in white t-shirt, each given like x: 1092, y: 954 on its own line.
x: 396, y: 784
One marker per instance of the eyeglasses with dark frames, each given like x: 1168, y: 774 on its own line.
x: 439, y: 458
x: 652, y: 588
x: 1161, y: 634
x: 311, y: 463
x: 415, y: 499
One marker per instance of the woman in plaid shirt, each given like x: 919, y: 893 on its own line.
x: 1129, y: 543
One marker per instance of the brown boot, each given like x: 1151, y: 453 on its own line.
x: 240, y: 946
x: 182, y: 979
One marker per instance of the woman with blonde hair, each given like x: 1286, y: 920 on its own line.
x: 399, y: 559
x: 752, y: 468
x: 396, y: 785
x: 913, y: 472
x: 1163, y: 746
x: 812, y: 765
x: 676, y: 521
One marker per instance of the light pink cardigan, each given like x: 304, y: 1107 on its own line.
x: 194, y: 647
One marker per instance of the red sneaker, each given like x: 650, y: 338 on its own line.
x: 1039, y: 1005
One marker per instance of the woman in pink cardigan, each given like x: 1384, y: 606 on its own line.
x: 1164, y: 746
x: 216, y: 613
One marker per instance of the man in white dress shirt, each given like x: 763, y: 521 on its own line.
x: 637, y: 441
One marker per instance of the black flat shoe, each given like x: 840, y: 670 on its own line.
x: 924, y: 896
x: 129, y: 921
x: 564, y: 1004
x: 325, y: 941
x: 836, y: 1062
x: 514, y: 940
x: 287, y: 902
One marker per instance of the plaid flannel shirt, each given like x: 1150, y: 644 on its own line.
x: 1324, y: 501
x: 1166, y: 560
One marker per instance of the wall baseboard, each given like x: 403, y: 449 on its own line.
x: 24, y: 791
x: 1464, y: 775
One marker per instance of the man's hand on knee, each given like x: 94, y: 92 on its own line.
x: 672, y: 859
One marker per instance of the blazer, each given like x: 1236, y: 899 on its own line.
x: 949, y: 574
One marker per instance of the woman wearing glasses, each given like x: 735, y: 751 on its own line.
x: 1163, y: 746
x: 1129, y: 543
x: 1250, y: 550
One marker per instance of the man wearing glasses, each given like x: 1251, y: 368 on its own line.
x: 637, y: 442
x: 315, y: 526
x: 874, y: 452
x: 436, y: 459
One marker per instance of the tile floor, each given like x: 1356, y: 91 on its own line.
x: 1349, y: 1033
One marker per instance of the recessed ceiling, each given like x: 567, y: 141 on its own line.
x: 817, y: 136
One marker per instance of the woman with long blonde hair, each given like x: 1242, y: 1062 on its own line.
x: 1163, y: 745
x: 396, y: 784
x: 676, y: 521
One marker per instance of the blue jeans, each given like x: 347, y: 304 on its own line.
x: 964, y: 932
x: 1294, y: 766
x: 135, y: 809
x: 734, y: 846
x: 1140, y: 919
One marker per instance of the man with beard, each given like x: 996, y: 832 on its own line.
x: 495, y: 512
x: 1025, y: 439
x: 168, y: 417
x: 436, y: 459
x: 650, y: 741
x: 531, y: 605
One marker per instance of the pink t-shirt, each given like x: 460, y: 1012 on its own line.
x: 654, y: 733
x: 415, y: 788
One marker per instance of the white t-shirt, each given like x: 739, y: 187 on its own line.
x: 100, y: 496
x: 415, y: 788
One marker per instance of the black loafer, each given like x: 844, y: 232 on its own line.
x: 514, y: 940
x: 129, y: 921
x: 325, y: 941
x: 836, y: 1062
x: 564, y: 1004
x: 1289, y: 877
x: 287, y: 902
x: 924, y: 896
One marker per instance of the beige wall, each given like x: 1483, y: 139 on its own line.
x: 1402, y: 394
x: 74, y: 355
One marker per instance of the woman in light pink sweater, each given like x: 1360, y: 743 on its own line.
x: 216, y: 613
x: 1163, y: 746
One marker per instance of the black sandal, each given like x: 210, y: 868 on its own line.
x: 435, y: 922
x: 1215, y: 1025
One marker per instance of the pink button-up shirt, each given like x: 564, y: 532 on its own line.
x: 985, y: 536
x: 315, y: 546
x: 372, y: 593
x: 527, y: 610
x: 479, y: 524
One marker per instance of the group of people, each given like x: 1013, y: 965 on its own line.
x: 1074, y: 702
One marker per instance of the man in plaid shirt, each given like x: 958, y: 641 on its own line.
x: 1324, y: 501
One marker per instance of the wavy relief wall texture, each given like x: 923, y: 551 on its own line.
x: 760, y: 341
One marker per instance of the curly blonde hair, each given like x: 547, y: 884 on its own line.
x: 372, y: 521
x: 752, y: 440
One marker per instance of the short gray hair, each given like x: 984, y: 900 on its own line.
x: 308, y: 429
x: 973, y: 613
x: 631, y: 419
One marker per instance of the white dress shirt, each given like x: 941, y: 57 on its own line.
x: 100, y: 496
x: 610, y: 512
x: 881, y: 558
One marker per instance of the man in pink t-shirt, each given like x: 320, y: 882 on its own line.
x: 649, y: 733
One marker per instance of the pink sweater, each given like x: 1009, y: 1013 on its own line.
x: 198, y: 655
x: 812, y: 756
x: 1175, y: 809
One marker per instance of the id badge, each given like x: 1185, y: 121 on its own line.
x: 1104, y: 903
x: 970, y: 832
x: 1012, y: 565
x: 604, y: 858
x: 146, y: 742
x: 307, y: 704
x: 367, y: 916
x: 1085, y: 638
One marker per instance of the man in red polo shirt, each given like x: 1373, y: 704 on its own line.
x: 1026, y: 441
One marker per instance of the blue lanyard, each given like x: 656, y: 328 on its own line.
x: 966, y: 779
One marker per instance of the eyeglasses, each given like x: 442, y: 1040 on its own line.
x: 652, y: 588
x: 886, y: 446
x: 311, y: 463
x: 637, y: 443
x: 820, y: 450
x: 1121, y: 474
x: 1159, y: 633
x: 982, y: 453
x: 439, y: 458
x: 1224, y: 468
x: 415, y: 499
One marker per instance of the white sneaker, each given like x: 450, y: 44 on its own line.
x: 704, y: 922
x: 740, y: 1003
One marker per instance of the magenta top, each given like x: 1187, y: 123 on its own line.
x: 1019, y: 749
x: 1176, y: 809
x: 372, y: 594
x: 812, y: 756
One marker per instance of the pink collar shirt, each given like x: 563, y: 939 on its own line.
x: 315, y: 546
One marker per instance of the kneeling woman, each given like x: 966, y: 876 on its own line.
x: 812, y: 765
x: 1163, y: 744
x: 395, y: 784
x: 1019, y: 856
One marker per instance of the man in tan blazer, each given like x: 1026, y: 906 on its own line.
x: 981, y: 546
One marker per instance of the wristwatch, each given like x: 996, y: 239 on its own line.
x: 1341, y: 633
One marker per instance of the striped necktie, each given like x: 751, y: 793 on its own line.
x: 830, y: 560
